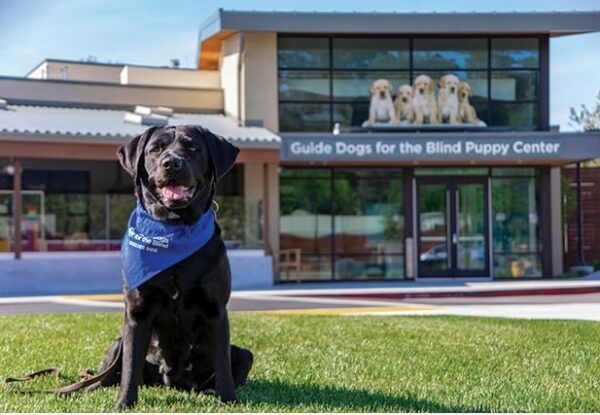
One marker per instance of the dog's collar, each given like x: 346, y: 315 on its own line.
x: 150, y: 246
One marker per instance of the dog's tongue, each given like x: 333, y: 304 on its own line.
x: 173, y: 192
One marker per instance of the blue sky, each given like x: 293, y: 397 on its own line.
x: 151, y: 32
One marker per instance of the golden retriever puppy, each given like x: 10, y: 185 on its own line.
x: 448, y: 99
x: 424, y: 105
x: 466, y: 112
x: 403, y: 104
x: 382, y: 107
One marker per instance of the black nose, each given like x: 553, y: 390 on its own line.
x: 452, y: 90
x: 171, y: 163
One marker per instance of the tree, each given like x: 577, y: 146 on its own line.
x: 585, y: 118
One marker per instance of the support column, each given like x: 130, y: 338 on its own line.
x: 266, y: 210
x: 18, y: 207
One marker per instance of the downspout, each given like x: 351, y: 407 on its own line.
x: 241, y: 59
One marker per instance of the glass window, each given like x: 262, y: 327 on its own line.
x: 306, y: 215
x: 514, y: 85
x: 304, y: 117
x: 515, y: 115
x: 305, y: 225
x: 353, y: 114
x: 304, y: 85
x: 515, y: 53
x: 370, y: 53
x: 351, y: 86
x: 515, y: 171
x: 369, y: 217
x: 516, y: 226
x: 364, y: 267
x: 477, y: 81
x: 465, y: 53
x: 301, y: 52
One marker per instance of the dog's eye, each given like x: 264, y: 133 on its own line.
x: 193, y: 149
x: 155, y: 149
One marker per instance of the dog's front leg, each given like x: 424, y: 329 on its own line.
x: 136, y: 339
x: 221, y: 357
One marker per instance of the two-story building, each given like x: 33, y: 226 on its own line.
x: 375, y: 146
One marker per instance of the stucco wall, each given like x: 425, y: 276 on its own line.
x: 230, y: 55
x: 49, y: 91
x: 260, y: 79
x: 185, y: 78
x: 72, y: 71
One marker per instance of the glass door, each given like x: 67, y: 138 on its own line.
x: 452, y: 227
x: 33, y: 232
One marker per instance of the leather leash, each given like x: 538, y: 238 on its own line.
x: 91, y: 383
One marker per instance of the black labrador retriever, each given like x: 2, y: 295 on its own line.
x: 176, y: 329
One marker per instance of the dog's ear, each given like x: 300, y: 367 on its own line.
x: 442, y: 82
x: 222, y: 153
x: 129, y: 154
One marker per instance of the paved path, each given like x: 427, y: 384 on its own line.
x: 573, y: 306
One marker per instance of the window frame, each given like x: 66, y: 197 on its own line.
x: 541, y: 75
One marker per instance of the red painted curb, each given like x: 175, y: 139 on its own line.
x: 498, y: 293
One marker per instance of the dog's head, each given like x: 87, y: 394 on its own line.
x: 449, y: 83
x: 381, y: 88
x: 464, y: 91
x: 176, y: 167
x: 405, y: 93
x: 423, y: 85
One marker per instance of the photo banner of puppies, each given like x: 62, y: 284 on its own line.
x: 419, y: 105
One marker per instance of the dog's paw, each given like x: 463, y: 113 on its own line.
x: 228, y: 398
x: 123, y: 405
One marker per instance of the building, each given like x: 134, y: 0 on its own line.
x: 325, y: 188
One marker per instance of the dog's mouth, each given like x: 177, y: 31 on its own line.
x: 174, y: 193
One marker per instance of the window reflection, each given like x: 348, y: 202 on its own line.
x: 516, y: 227
x: 353, y: 219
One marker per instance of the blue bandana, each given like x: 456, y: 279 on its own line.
x: 150, y: 246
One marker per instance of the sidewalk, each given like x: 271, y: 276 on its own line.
x: 455, y: 287
x: 43, y: 285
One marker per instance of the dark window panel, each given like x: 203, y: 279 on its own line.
x: 515, y: 53
x: 515, y: 115
x: 447, y: 53
x: 370, y: 53
x: 304, y: 117
x: 304, y: 85
x: 514, y: 85
x: 351, y: 114
x: 299, y: 52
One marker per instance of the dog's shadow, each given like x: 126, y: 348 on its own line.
x: 270, y: 393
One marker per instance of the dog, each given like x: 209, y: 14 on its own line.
x: 424, y: 104
x: 448, y: 99
x: 403, y: 104
x: 466, y: 112
x: 381, y: 108
x: 176, y: 329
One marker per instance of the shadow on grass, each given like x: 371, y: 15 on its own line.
x: 280, y: 394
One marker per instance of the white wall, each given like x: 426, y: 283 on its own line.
x: 183, y: 78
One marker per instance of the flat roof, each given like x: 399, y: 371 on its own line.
x: 551, y: 23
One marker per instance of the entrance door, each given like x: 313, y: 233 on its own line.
x: 452, y: 227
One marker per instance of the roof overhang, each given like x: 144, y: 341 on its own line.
x: 74, y: 147
x: 224, y: 23
x: 440, y: 149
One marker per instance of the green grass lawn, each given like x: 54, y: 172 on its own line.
x: 302, y: 363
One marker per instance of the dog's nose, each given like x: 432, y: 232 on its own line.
x: 452, y: 90
x: 172, y: 163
